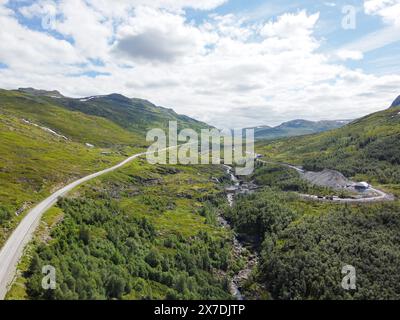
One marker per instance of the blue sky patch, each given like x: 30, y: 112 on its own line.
x: 91, y: 74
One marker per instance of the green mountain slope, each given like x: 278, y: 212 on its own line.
x: 368, y: 147
x: 76, y: 126
x: 136, y: 115
x: 48, y: 140
x: 297, y: 128
x: 34, y: 162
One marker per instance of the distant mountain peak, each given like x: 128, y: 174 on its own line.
x: 38, y: 92
x: 136, y: 114
x: 296, y: 123
x: 259, y: 127
x: 396, y: 102
x: 298, y: 127
x: 115, y: 97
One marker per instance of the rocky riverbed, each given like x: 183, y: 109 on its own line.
x: 240, y: 250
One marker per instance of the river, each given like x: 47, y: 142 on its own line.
x: 238, y: 246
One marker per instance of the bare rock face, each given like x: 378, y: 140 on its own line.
x: 396, y: 102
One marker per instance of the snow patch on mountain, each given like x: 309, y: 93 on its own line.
x: 45, y: 129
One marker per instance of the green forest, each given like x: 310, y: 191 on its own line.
x: 144, y: 232
x: 303, y: 246
x: 102, y: 252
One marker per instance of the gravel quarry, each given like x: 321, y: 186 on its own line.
x: 328, y: 178
x: 336, y: 180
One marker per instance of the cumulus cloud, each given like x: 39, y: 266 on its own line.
x: 25, y: 50
x: 120, y: 6
x: 291, y: 25
x: 75, y: 19
x: 349, y: 55
x: 140, y: 39
x: 225, y: 71
x: 388, y: 9
x: 152, y: 45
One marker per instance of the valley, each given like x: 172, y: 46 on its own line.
x: 139, y: 231
x: 199, y: 159
x: 46, y: 145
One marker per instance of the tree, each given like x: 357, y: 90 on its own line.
x: 115, y: 286
x: 84, y: 235
x: 153, y: 258
x: 5, y: 214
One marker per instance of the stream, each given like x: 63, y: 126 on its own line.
x: 239, y: 249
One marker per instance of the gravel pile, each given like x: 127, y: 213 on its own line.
x: 328, y: 178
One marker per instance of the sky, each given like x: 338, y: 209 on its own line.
x: 230, y: 63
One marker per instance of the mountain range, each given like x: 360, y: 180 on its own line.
x: 301, y: 127
x: 137, y: 115
x: 297, y: 127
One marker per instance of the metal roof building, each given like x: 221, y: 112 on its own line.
x: 362, y: 185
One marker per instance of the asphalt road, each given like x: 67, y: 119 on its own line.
x: 13, y: 249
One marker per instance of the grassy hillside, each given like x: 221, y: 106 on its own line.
x: 76, y: 126
x: 34, y: 161
x: 48, y: 140
x: 368, y: 148
x: 136, y: 115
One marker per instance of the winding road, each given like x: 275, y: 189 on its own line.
x: 382, y: 196
x: 13, y: 249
